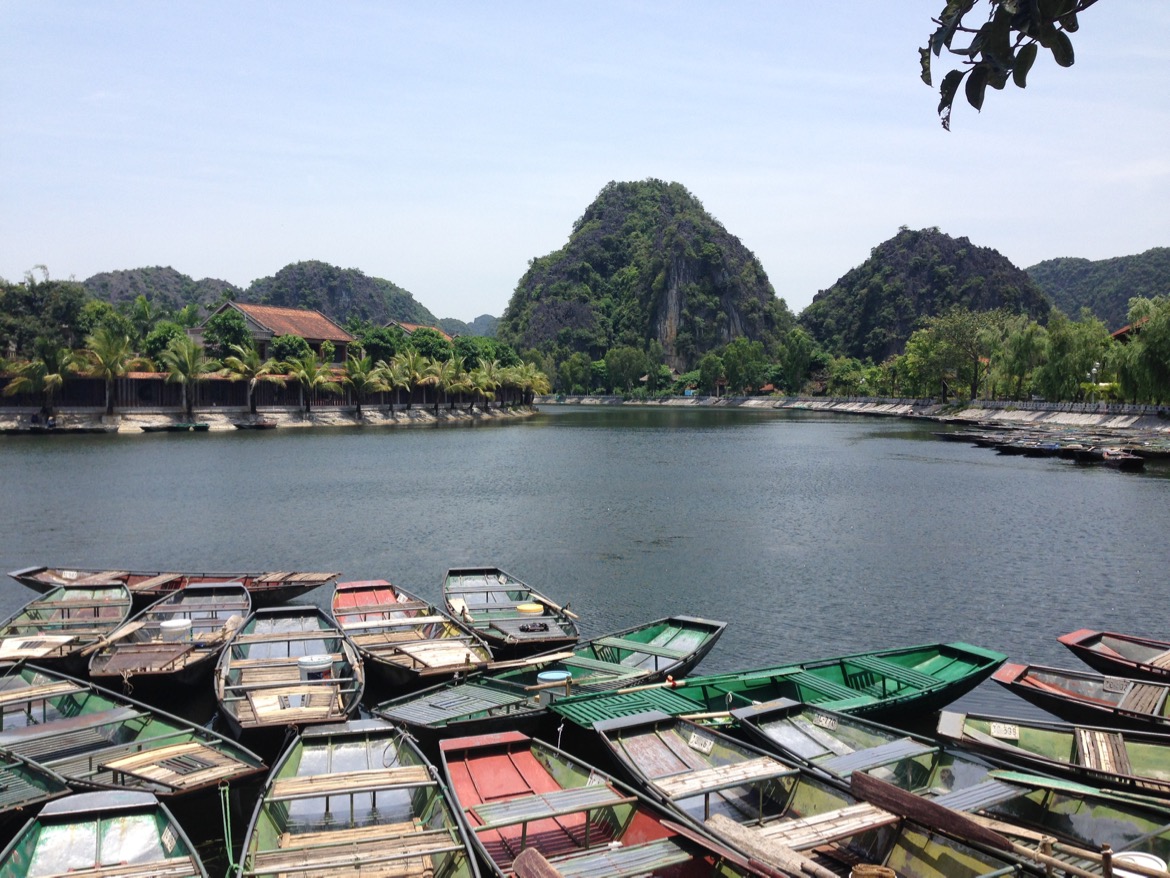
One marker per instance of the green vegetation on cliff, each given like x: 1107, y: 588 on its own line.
x: 644, y: 264
x: 1106, y: 285
x: 871, y: 311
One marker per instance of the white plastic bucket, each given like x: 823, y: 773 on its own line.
x: 553, y: 676
x: 315, y: 667
x: 175, y: 630
x: 1135, y: 858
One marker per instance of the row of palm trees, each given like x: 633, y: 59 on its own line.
x: 109, y: 355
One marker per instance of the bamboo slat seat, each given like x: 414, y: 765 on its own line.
x: 280, y: 636
x: 274, y: 661
x: 395, y: 850
x: 391, y: 607
x: 101, y: 577
x: 349, y: 782
x: 395, y: 622
x: 900, y: 673
x: 650, y: 858
x: 183, y: 769
x: 1143, y: 698
x: 828, y: 688
x: 158, y: 581
x: 172, y: 867
x: 1103, y: 751
x: 37, y: 693
x: 592, y: 664
x: 721, y: 777
x: 872, y: 757
x: 540, y: 806
x: 290, y: 704
x: 115, y: 600
x: 438, y: 653
x: 1161, y: 660
x: 981, y: 795
x: 802, y: 833
x: 648, y: 648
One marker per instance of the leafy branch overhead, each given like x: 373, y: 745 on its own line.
x: 1003, y: 48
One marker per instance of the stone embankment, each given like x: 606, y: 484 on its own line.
x: 1033, y: 415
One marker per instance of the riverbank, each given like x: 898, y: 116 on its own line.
x: 1103, y: 417
x: 133, y: 421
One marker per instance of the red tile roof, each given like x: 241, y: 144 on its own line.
x: 408, y: 328
x: 295, y: 321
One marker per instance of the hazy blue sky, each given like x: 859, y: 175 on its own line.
x: 444, y: 145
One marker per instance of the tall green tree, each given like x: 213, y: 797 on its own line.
x: 186, y: 364
x: 313, y: 375
x: 1150, y: 345
x: 419, y: 372
x: 430, y: 343
x: 244, y: 364
x: 711, y: 370
x: 109, y: 355
x: 574, y: 373
x: 362, y: 378
x: 624, y: 366
x: 289, y: 347
x: 221, y: 331
x: 45, y: 374
x: 744, y: 364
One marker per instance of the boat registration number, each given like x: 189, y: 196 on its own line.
x: 1005, y: 731
x: 825, y: 721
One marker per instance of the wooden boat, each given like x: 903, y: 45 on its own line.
x: 886, y: 683
x: 1124, y: 655
x: 403, y: 640
x: 56, y: 628
x: 96, y: 739
x: 102, y: 835
x: 356, y: 798
x: 772, y: 810
x: 518, y: 697
x: 1125, y: 760
x: 266, y: 589
x: 184, y: 427
x: 262, y: 424
x: 513, y: 618
x: 287, y: 666
x: 514, y: 792
x: 936, y: 779
x: 1092, y: 699
x: 176, y: 639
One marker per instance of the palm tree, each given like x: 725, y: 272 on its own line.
x: 313, y: 375
x: 486, y: 378
x: 530, y: 381
x: 244, y: 365
x: 109, y: 355
x: 418, y: 370
x: 186, y: 365
x: 362, y: 378
x: 44, y: 374
x: 392, y: 375
x: 446, y: 377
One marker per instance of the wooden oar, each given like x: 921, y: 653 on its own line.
x: 971, y: 827
x: 113, y: 636
x: 556, y: 608
x: 529, y: 662
x: 530, y: 863
x: 768, y: 851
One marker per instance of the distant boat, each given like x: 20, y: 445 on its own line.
x: 357, y: 798
x: 184, y: 427
x: 1124, y: 655
x: 96, y: 739
x: 515, y: 793
x: 56, y: 628
x: 1132, y: 761
x: 518, y: 698
x: 175, y: 640
x: 1093, y: 699
x: 890, y: 683
x: 255, y: 425
x: 403, y: 640
x: 266, y: 589
x: 287, y: 666
x: 102, y: 835
x: 515, y: 619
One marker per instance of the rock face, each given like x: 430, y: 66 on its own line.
x: 871, y: 311
x: 644, y: 263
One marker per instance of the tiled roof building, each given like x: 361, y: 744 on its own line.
x: 268, y: 321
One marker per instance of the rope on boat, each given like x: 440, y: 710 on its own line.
x: 127, y: 686
x: 225, y: 808
x: 560, y: 731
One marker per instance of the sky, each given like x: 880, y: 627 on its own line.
x: 443, y: 146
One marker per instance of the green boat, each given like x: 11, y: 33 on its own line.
x: 920, y: 778
x: 1136, y: 762
x: 355, y: 799
x: 518, y: 698
x: 884, y: 684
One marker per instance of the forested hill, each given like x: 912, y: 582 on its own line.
x: 645, y: 263
x: 870, y: 312
x: 484, y: 324
x: 338, y: 293
x: 165, y: 288
x: 1106, y: 285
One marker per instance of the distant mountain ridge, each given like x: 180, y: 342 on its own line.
x: 872, y: 310
x: 644, y: 263
x: 340, y: 294
x: 1104, y: 286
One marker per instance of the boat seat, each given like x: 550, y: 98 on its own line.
x: 1143, y: 698
x: 394, y: 850
x: 391, y: 607
x: 650, y: 858
x: 1103, y: 751
x: 26, y: 694
x: 872, y: 757
x: 827, y: 688
x: 1161, y: 660
x: 721, y: 777
x: 981, y: 795
x: 350, y: 783
x: 802, y: 833
x: 539, y: 806
x: 172, y: 867
x: 900, y: 673
x: 648, y: 648
x: 394, y: 622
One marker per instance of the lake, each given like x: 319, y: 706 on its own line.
x: 813, y: 535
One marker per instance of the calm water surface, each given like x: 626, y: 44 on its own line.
x: 812, y: 535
